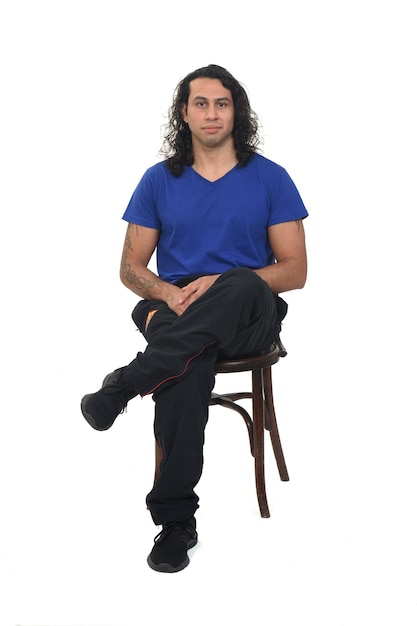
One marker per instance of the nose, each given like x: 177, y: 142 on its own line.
x: 211, y: 111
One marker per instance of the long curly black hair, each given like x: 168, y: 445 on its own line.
x: 177, y: 146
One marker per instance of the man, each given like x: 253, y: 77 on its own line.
x: 227, y: 226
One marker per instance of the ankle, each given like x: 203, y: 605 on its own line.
x: 130, y: 376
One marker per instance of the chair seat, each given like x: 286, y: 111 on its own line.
x: 250, y: 363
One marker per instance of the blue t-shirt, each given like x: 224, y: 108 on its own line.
x: 210, y: 227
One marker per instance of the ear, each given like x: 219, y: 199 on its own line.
x: 184, y: 112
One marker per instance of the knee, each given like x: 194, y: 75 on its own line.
x: 246, y: 279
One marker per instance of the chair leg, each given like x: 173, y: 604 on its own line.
x: 272, y: 424
x: 258, y: 435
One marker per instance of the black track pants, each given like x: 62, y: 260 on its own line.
x: 237, y: 316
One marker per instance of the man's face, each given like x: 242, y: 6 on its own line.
x: 209, y: 112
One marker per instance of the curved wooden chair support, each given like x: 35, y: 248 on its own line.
x: 263, y: 414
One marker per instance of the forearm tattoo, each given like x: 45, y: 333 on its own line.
x: 140, y: 284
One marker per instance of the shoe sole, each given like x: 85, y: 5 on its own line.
x: 167, y: 568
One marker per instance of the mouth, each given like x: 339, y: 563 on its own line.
x: 211, y: 129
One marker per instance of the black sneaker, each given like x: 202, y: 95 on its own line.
x: 169, y: 553
x: 100, y: 409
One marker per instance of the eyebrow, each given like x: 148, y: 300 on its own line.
x: 223, y: 98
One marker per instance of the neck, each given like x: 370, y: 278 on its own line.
x: 214, y: 163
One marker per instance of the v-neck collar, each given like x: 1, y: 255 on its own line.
x: 213, y: 182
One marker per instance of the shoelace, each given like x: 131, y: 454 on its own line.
x: 180, y: 527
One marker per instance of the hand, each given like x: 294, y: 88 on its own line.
x: 191, y: 292
x: 174, y: 300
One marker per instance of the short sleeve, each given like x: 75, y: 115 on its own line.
x: 286, y: 202
x: 142, y: 207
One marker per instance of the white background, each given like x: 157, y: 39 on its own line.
x: 85, y: 88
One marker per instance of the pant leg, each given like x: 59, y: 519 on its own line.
x: 181, y: 413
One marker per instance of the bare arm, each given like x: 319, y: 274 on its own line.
x: 139, y: 245
x: 288, y: 245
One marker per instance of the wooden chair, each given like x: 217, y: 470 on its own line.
x: 263, y: 414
